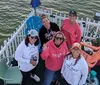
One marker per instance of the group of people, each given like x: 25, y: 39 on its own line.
x: 61, y: 51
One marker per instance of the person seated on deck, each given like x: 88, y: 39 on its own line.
x: 27, y: 55
x: 75, y: 68
x: 53, y: 53
x: 71, y: 29
x: 48, y: 30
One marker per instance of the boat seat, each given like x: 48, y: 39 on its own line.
x: 10, y: 75
x: 91, y: 59
x: 33, y: 22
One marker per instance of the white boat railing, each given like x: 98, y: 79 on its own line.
x: 89, y: 28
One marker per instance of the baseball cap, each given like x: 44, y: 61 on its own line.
x: 76, y: 45
x: 33, y: 33
x: 73, y: 12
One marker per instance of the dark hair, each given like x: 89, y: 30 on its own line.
x: 27, y: 41
x: 43, y: 16
x: 73, y: 12
x: 71, y: 57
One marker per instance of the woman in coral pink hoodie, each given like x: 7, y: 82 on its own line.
x: 71, y: 29
x: 53, y: 53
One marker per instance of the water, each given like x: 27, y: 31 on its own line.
x: 12, y: 12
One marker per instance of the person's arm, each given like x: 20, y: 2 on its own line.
x: 57, y: 27
x: 45, y: 52
x: 54, y: 27
x: 66, y: 48
x: 84, y: 75
x: 41, y: 36
x: 37, y: 54
x: 63, y: 24
x: 19, y: 55
x: 78, y: 34
x: 63, y: 67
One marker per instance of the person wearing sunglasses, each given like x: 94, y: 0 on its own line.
x: 48, y: 29
x: 53, y: 53
x: 75, y: 68
x: 71, y: 29
x: 27, y: 56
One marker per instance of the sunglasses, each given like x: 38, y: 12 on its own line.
x: 35, y: 37
x: 59, y: 38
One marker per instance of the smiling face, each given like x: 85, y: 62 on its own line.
x: 75, y: 52
x: 46, y: 22
x: 32, y: 40
x: 72, y: 18
x: 58, y: 39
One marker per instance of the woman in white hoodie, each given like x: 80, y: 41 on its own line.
x: 75, y: 69
x: 27, y: 55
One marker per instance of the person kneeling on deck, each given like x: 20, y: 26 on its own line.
x: 53, y: 53
x: 27, y: 56
x: 75, y: 69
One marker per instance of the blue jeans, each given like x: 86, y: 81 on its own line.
x: 49, y: 76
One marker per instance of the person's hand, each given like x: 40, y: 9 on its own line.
x: 62, y: 76
x: 54, y: 32
x: 45, y: 46
x: 33, y: 62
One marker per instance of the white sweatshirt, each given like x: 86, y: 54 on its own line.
x: 75, y: 74
x: 23, y: 55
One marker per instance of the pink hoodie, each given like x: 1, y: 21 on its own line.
x: 72, y: 32
x: 54, y: 56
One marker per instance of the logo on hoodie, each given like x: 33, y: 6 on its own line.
x: 58, y: 55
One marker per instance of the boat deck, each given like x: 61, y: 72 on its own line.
x: 39, y: 71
